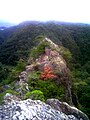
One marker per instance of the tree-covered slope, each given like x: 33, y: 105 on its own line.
x: 75, y: 37
x: 21, y: 40
x: 17, y: 43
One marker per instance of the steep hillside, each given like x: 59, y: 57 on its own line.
x: 6, y: 33
x: 48, y: 65
x: 45, y: 76
x: 73, y: 39
x: 45, y: 66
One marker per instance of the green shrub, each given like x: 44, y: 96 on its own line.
x: 36, y: 51
x: 4, y: 71
x: 39, y: 38
x: 1, y: 98
x: 20, y: 65
x: 33, y: 76
x: 35, y: 95
x: 50, y: 89
x: 14, y: 72
x: 11, y: 91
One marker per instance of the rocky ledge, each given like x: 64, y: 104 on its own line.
x: 15, y: 109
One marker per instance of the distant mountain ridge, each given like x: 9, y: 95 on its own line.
x: 6, y: 24
x: 69, y: 35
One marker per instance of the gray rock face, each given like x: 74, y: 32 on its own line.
x: 67, y: 109
x: 32, y: 110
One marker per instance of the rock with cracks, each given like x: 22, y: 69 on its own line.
x: 32, y: 110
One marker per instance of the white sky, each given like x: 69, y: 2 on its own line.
x: 16, y: 11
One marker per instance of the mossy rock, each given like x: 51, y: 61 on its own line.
x: 4, y: 93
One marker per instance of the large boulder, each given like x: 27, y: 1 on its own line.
x: 67, y: 109
x: 31, y: 110
x: 16, y: 109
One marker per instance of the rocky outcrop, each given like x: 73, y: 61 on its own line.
x: 66, y: 108
x: 52, y: 59
x: 55, y: 61
x: 16, y: 109
x: 32, y: 110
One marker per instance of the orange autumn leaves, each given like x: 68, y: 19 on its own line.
x: 47, y: 74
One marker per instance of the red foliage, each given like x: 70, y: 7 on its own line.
x: 48, y: 73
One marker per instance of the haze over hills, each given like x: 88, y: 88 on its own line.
x: 6, y: 24
x: 16, y: 46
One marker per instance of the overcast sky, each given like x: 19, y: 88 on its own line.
x: 16, y: 11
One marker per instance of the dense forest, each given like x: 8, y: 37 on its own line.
x: 16, y: 44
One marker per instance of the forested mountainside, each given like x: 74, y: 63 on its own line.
x: 16, y: 47
x: 75, y: 37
